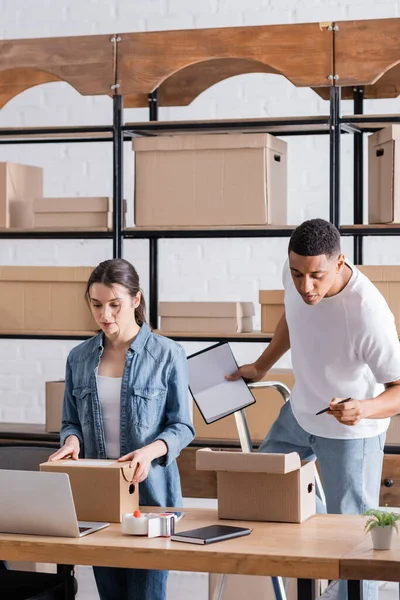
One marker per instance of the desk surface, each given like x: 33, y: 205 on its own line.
x: 310, y: 550
x: 362, y: 562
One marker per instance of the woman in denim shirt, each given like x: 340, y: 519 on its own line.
x: 126, y: 397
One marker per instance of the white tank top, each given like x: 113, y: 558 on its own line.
x: 109, y: 390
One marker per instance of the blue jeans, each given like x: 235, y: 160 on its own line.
x: 351, y: 487
x: 130, y: 584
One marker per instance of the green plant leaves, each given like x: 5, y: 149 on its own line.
x: 380, y: 518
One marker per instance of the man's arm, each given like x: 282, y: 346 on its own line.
x: 385, y: 405
x: 278, y: 346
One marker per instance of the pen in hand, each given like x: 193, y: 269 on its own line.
x: 326, y: 409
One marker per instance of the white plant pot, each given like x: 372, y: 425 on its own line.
x: 382, y: 537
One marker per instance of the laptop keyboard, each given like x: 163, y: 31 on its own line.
x: 83, y: 529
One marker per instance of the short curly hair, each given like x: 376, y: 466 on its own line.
x: 315, y: 237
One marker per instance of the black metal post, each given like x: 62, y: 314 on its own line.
x: 305, y: 589
x: 153, y: 283
x: 334, y: 156
x: 153, y: 106
x: 153, y: 242
x: 118, y: 176
x: 354, y: 590
x: 69, y: 582
x: 358, y: 97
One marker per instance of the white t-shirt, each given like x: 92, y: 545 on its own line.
x: 109, y: 390
x: 346, y: 345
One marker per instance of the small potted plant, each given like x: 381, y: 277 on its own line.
x: 381, y: 524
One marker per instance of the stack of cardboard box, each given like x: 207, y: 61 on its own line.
x: 73, y: 213
x: 207, y: 317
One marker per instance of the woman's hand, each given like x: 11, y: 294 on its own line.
x: 70, y: 449
x: 349, y: 413
x: 142, y: 458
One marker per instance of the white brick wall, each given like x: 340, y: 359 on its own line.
x: 189, y: 269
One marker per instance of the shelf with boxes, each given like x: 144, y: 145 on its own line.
x: 136, y: 74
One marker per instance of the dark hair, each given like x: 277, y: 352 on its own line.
x: 315, y: 237
x: 118, y: 271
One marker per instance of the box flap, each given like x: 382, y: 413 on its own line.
x: 87, y: 463
x: 50, y: 274
x: 75, y: 204
x: 246, y: 462
x: 271, y: 296
x: 381, y: 272
x: 214, y: 141
x: 206, y: 309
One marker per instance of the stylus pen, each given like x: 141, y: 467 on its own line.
x: 329, y: 408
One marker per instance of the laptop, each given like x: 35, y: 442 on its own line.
x: 38, y: 503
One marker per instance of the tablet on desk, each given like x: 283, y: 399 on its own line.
x: 216, y: 397
x: 210, y: 534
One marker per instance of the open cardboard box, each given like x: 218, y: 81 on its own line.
x: 261, y: 487
x: 102, y: 489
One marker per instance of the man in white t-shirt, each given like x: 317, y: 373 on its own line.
x: 344, y: 344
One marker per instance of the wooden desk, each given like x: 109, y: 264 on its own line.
x: 311, y: 550
x: 362, y: 562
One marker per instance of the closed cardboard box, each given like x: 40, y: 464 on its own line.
x: 393, y: 433
x: 102, y: 489
x: 387, y: 280
x: 19, y: 185
x: 260, y: 416
x: 272, y: 308
x: 209, y: 317
x: 213, y: 179
x: 45, y: 300
x: 261, y: 487
x: 383, y: 176
x: 74, y: 213
x: 54, y: 403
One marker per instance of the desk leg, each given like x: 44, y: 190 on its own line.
x: 305, y: 589
x: 355, y: 590
x: 69, y: 580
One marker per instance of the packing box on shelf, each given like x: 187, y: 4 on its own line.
x: 387, y: 280
x: 54, y: 402
x: 272, y: 307
x: 261, y: 487
x: 44, y: 300
x: 393, y: 433
x: 19, y: 185
x: 212, y: 179
x: 383, y: 176
x: 102, y: 489
x: 260, y: 416
x: 210, y: 317
x: 74, y: 213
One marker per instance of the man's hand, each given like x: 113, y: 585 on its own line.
x: 70, y: 449
x: 349, y: 413
x: 140, y: 462
x: 250, y: 374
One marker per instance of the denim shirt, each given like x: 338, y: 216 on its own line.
x: 154, y: 406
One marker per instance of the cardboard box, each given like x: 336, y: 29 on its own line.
x: 73, y: 220
x: 210, y: 317
x: 19, y: 185
x: 387, y: 280
x: 272, y: 308
x: 45, y: 300
x: 54, y: 403
x: 212, y: 179
x: 393, y: 433
x: 260, y: 416
x: 102, y: 489
x: 75, y: 213
x: 261, y: 487
x: 383, y: 176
